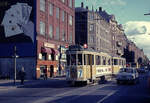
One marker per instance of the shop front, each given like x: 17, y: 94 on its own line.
x: 47, y: 61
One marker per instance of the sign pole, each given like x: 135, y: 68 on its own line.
x: 15, y: 64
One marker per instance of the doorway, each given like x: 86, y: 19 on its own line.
x: 51, y: 71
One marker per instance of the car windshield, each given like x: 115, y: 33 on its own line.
x: 128, y: 70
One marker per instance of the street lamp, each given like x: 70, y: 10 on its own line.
x: 15, y: 57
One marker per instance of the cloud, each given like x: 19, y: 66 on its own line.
x: 113, y: 2
x: 139, y: 32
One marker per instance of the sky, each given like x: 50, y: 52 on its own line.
x: 129, y: 13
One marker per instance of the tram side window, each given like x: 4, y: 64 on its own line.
x: 104, y: 60
x: 73, y: 59
x: 68, y: 60
x: 79, y: 59
x: 88, y: 59
x: 109, y: 61
x: 85, y: 59
x: 98, y: 60
x: 115, y: 61
x: 92, y: 59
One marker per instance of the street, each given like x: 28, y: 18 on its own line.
x: 56, y: 90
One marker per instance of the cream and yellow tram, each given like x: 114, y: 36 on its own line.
x: 87, y: 66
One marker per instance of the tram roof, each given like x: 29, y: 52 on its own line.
x: 78, y: 48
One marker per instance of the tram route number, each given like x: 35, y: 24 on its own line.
x: 80, y: 73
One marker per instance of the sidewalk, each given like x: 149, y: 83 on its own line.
x: 10, y: 83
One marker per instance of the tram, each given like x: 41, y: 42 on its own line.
x: 87, y: 66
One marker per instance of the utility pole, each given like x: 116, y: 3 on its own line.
x: 14, y: 64
x: 15, y: 56
x: 59, y: 68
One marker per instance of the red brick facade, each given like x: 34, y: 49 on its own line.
x: 52, y: 42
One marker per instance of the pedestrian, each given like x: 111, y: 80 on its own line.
x: 22, y: 75
x: 45, y: 74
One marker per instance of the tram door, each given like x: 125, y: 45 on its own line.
x: 91, y: 58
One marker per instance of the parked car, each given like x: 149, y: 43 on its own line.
x: 129, y: 75
x: 141, y: 70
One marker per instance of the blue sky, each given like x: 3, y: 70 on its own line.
x: 129, y: 13
x: 124, y: 10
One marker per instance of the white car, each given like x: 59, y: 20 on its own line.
x: 129, y: 75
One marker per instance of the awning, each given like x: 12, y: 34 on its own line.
x: 54, y: 51
x: 46, y: 50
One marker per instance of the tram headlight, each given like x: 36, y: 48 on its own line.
x: 80, y: 73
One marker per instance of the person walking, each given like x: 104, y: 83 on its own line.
x: 22, y: 75
x: 45, y: 74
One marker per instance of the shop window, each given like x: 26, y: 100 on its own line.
x: 52, y: 57
x: 44, y: 56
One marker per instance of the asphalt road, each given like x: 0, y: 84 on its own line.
x: 58, y: 91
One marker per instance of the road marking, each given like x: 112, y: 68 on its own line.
x: 110, y: 94
x: 58, y: 96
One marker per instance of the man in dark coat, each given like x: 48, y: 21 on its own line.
x: 22, y: 75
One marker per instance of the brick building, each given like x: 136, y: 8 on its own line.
x: 55, y: 30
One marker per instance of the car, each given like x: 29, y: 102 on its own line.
x: 141, y: 70
x: 129, y: 75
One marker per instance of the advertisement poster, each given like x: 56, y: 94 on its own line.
x: 17, y: 19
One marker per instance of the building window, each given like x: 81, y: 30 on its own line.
x: 63, y: 1
x: 70, y: 3
x: 42, y: 5
x: 51, y: 31
x: 63, y: 35
x: 63, y: 16
x: 70, y: 37
x: 57, y: 33
x: 51, y: 9
x: 91, y: 27
x: 57, y: 13
x: 42, y: 28
x: 70, y: 20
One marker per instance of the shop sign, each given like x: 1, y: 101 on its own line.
x: 49, y: 45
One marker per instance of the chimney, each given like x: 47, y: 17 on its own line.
x: 100, y: 9
x: 82, y: 5
x: 87, y: 7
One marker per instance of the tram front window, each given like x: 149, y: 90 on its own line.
x: 73, y: 59
x: 79, y: 59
